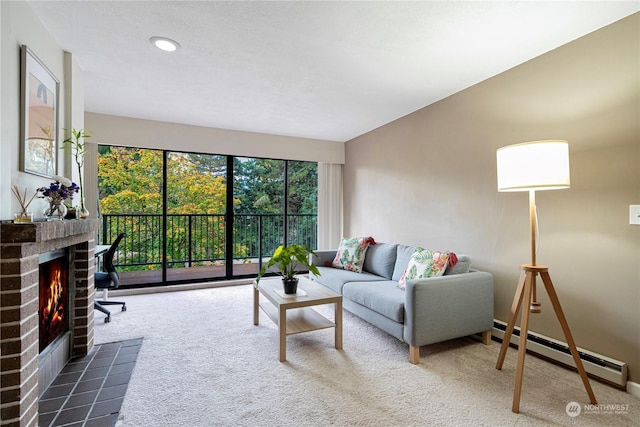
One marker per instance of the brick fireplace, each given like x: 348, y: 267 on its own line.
x: 24, y: 372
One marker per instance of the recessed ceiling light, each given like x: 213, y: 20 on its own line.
x: 164, y: 43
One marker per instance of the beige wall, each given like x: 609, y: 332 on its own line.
x: 430, y: 179
x: 20, y: 26
x: 127, y: 131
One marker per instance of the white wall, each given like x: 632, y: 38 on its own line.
x: 21, y: 26
x: 74, y: 108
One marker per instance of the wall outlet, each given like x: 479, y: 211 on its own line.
x: 634, y: 214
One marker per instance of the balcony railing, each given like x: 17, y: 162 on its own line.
x: 200, y: 239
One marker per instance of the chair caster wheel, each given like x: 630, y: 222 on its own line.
x: 124, y: 308
x: 107, y: 319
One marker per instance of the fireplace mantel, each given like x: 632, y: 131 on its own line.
x: 43, y: 231
x: 20, y: 248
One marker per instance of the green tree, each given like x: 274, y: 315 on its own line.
x: 303, y: 187
x: 193, y: 189
x: 259, y: 185
x: 130, y: 180
x: 210, y: 164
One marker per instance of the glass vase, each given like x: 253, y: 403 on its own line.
x: 55, y: 211
x: 83, y: 212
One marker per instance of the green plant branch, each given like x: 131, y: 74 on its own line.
x: 77, y: 146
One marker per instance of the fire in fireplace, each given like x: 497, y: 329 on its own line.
x: 54, y: 299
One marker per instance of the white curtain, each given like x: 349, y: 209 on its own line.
x: 329, y: 205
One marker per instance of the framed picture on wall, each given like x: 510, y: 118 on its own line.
x: 38, y: 116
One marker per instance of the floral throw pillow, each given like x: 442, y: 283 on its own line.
x: 350, y: 255
x: 425, y: 263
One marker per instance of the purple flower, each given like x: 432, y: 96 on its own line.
x: 59, y: 192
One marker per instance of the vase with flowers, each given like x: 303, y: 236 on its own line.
x: 76, y: 144
x: 55, y: 194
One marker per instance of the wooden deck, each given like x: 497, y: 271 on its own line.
x: 150, y: 277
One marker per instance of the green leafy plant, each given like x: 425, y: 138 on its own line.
x: 290, y: 261
x: 76, y: 144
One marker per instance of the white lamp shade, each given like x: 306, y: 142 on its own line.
x: 537, y: 165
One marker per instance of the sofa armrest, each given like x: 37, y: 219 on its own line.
x: 322, y: 257
x: 447, y: 307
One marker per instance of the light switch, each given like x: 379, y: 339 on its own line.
x: 634, y: 214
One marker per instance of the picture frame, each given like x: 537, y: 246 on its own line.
x: 39, y: 114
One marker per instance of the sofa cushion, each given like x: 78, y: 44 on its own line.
x: 382, y: 297
x: 380, y: 259
x: 425, y: 263
x: 403, y: 256
x: 351, y: 253
x: 335, y: 278
x: 463, y: 266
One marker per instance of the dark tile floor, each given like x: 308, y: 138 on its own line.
x: 89, y: 391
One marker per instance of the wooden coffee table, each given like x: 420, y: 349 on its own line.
x: 293, y: 313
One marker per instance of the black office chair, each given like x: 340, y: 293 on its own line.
x: 108, y: 279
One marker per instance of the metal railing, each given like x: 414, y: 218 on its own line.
x: 200, y: 239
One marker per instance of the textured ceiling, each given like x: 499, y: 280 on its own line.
x: 324, y: 70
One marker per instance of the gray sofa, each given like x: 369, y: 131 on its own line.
x: 428, y: 311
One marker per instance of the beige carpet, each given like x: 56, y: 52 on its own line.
x: 204, y: 363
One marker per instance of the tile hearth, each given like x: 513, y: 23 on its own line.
x: 90, y: 390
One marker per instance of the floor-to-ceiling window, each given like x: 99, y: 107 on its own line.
x: 191, y: 217
x: 131, y: 188
x: 302, y: 203
x: 195, y: 208
x: 258, y: 214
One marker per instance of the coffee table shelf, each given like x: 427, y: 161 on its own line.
x: 293, y: 314
x: 299, y: 319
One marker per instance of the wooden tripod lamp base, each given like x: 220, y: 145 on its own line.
x: 526, y: 290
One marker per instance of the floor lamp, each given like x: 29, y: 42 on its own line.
x: 531, y: 166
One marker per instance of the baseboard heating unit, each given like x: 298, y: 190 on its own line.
x: 602, y: 367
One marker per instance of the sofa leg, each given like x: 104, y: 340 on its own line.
x: 414, y: 355
x: 486, y: 337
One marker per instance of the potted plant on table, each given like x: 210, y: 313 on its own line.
x: 290, y: 261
